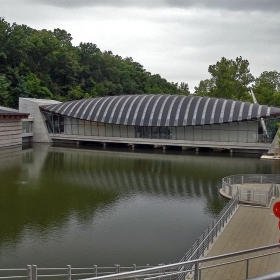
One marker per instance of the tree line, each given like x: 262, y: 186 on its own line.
x: 45, y: 64
x: 232, y: 79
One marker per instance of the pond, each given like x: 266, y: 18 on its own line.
x: 89, y: 205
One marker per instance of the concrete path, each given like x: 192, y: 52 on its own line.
x: 250, y: 227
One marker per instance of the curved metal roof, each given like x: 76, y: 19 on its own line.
x: 161, y: 110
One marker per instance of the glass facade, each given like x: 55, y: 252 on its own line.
x: 27, y: 126
x: 244, y: 132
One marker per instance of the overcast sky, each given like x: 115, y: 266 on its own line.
x: 177, y: 39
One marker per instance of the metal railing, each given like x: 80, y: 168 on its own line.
x: 33, y: 272
x: 208, y: 237
x: 236, y: 184
x: 170, y: 271
x: 167, y: 271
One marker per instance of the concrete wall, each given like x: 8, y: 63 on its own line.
x: 10, y: 133
x: 31, y: 106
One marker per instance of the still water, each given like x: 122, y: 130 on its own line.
x: 64, y: 205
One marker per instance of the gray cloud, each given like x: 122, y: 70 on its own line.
x: 234, y: 5
x: 102, y: 3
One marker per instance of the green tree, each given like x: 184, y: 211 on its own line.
x: 184, y: 88
x: 204, y: 88
x: 4, y: 93
x: 230, y: 79
x: 267, y: 88
x: 35, y: 89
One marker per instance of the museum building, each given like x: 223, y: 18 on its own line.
x: 168, y: 120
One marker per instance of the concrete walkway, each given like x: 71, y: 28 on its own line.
x: 250, y: 227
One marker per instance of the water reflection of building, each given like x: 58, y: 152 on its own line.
x: 143, y: 172
x: 160, y: 120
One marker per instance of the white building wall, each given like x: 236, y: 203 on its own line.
x: 31, y: 106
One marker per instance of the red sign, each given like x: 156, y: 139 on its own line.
x: 276, y: 209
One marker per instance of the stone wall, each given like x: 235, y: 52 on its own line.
x: 10, y: 133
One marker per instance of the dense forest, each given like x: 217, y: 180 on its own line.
x: 45, y: 64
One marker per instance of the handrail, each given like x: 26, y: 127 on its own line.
x: 131, y: 274
x: 207, y: 238
x: 161, y: 271
x: 234, y: 183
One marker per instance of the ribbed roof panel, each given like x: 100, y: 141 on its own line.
x: 161, y: 110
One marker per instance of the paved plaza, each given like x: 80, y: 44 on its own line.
x: 249, y: 228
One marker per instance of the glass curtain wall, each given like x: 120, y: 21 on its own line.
x: 245, y: 132
x: 27, y: 126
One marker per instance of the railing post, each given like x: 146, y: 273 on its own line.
x: 247, y: 269
x: 134, y: 268
x: 197, y: 251
x: 196, y: 271
x: 208, y: 237
x: 267, y: 194
x: 203, y: 243
x: 95, y: 270
x: 34, y: 272
x: 160, y: 271
x: 68, y: 272
x: 238, y: 194
x: 212, y: 234
x: 118, y: 269
x: 29, y: 272
x: 242, y: 180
